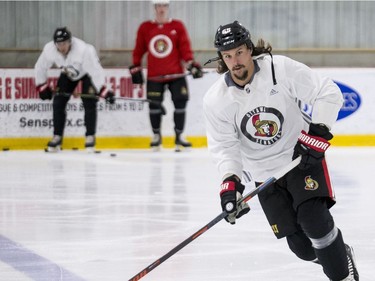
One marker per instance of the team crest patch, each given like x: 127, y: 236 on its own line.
x: 265, y: 128
x: 160, y: 46
x: 262, y: 125
x: 311, y: 184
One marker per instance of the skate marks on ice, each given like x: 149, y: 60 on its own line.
x: 93, y: 217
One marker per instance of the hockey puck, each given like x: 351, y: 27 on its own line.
x: 75, y: 148
x: 6, y: 149
x: 113, y: 154
x: 97, y: 151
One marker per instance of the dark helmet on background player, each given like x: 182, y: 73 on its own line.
x: 61, y: 34
x: 231, y: 36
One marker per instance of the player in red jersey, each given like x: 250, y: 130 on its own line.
x: 167, y: 44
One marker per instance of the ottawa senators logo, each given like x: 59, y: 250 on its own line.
x: 160, y: 46
x: 265, y: 128
x: 263, y: 125
x: 311, y: 184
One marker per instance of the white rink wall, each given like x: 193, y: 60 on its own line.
x: 23, y: 114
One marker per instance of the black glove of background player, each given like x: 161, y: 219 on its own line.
x: 107, y: 94
x: 136, y: 73
x: 44, y: 91
x: 195, y: 69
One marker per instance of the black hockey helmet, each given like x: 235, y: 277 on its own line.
x: 62, y: 34
x: 231, y: 36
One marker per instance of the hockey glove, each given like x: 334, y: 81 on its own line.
x: 107, y: 94
x: 44, y: 91
x: 312, y: 145
x: 136, y: 73
x: 195, y: 69
x: 230, y: 194
x: 70, y: 71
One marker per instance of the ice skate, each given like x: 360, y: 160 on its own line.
x: 181, y: 143
x: 54, y: 145
x: 353, y: 272
x: 349, y: 278
x: 156, y: 142
x: 90, y: 144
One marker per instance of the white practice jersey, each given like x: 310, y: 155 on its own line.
x: 82, y: 58
x: 255, y: 128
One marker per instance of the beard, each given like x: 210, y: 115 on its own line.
x: 244, y: 75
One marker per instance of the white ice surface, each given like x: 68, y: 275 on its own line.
x: 93, y: 217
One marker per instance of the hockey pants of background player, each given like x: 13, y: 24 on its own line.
x: 180, y: 96
x: 65, y: 87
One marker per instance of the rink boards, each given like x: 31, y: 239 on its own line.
x: 26, y: 121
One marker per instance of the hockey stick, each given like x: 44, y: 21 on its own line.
x: 158, y: 104
x: 190, y: 239
x: 168, y: 76
x: 172, y: 76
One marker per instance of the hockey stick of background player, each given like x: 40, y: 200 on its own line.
x: 158, y: 104
x: 246, y: 198
x: 173, y: 76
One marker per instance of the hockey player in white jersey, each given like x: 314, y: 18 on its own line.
x: 78, y: 61
x: 254, y: 122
